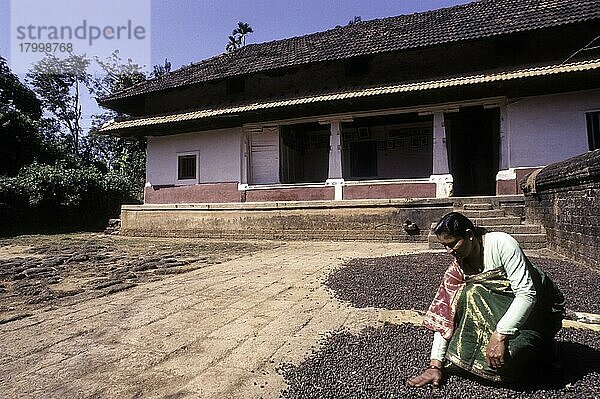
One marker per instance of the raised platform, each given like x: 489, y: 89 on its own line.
x: 382, y: 220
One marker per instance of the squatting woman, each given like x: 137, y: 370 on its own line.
x: 495, y: 314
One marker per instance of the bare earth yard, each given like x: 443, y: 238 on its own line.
x: 94, y: 316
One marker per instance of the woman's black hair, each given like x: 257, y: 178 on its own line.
x: 456, y: 224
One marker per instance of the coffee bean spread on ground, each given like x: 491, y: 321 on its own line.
x: 411, y: 281
x: 376, y: 363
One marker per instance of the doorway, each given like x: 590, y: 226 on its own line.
x: 473, y: 137
x: 363, y: 159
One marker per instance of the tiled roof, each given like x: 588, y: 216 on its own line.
x: 114, y: 126
x: 479, y: 19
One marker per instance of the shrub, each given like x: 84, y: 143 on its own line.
x: 52, y: 198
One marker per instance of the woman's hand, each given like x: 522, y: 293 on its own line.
x: 433, y: 375
x: 496, y: 350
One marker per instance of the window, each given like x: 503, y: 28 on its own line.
x: 187, y: 167
x: 593, y: 129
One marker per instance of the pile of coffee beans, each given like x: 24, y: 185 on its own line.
x: 578, y: 283
x: 411, y: 281
x: 376, y: 363
x: 393, y: 282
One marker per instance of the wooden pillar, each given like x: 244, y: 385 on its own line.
x: 440, y: 152
x: 441, y: 171
x: 334, y: 172
x: 335, y: 151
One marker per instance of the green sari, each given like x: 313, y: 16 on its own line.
x: 482, y: 302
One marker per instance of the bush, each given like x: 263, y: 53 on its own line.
x: 53, y: 198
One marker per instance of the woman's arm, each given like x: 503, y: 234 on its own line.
x: 508, y: 254
x: 438, y: 348
x: 515, y: 263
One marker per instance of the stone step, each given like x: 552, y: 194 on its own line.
x: 488, y: 213
x: 505, y: 220
x: 533, y: 245
x: 518, y: 229
x: 499, y: 219
x: 510, y: 228
x: 523, y: 238
x: 477, y: 207
x: 526, y: 241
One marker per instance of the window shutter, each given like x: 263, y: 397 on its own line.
x: 264, y: 157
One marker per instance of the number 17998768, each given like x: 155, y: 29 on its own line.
x: 48, y: 47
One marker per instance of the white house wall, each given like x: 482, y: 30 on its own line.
x: 218, y: 152
x: 551, y: 128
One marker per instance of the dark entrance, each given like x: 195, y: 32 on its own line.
x: 363, y: 159
x: 473, y: 150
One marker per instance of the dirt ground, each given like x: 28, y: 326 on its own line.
x: 41, y: 272
x: 94, y: 316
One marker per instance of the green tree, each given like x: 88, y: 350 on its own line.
x: 160, y: 70
x: 117, y: 75
x: 22, y: 128
x: 233, y: 44
x: 126, y: 156
x: 356, y: 20
x: 238, y: 37
x: 242, y: 30
x: 53, y: 177
x: 59, y: 84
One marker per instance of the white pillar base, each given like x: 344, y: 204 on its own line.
x: 508, y: 174
x: 338, y: 186
x: 443, y: 185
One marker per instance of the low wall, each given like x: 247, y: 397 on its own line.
x: 206, y: 192
x: 399, y: 190
x: 307, y: 220
x: 230, y: 192
x: 565, y: 198
x: 290, y: 194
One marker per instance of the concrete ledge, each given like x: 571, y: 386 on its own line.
x: 397, y: 202
x: 381, y: 220
x: 373, y: 219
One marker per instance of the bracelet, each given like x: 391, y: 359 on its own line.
x: 433, y: 366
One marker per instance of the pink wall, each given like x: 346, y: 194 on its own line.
x: 511, y: 187
x: 291, y: 194
x: 198, y: 193
x: 400, y: 190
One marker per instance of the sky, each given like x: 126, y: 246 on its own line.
x: 182, y: 31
